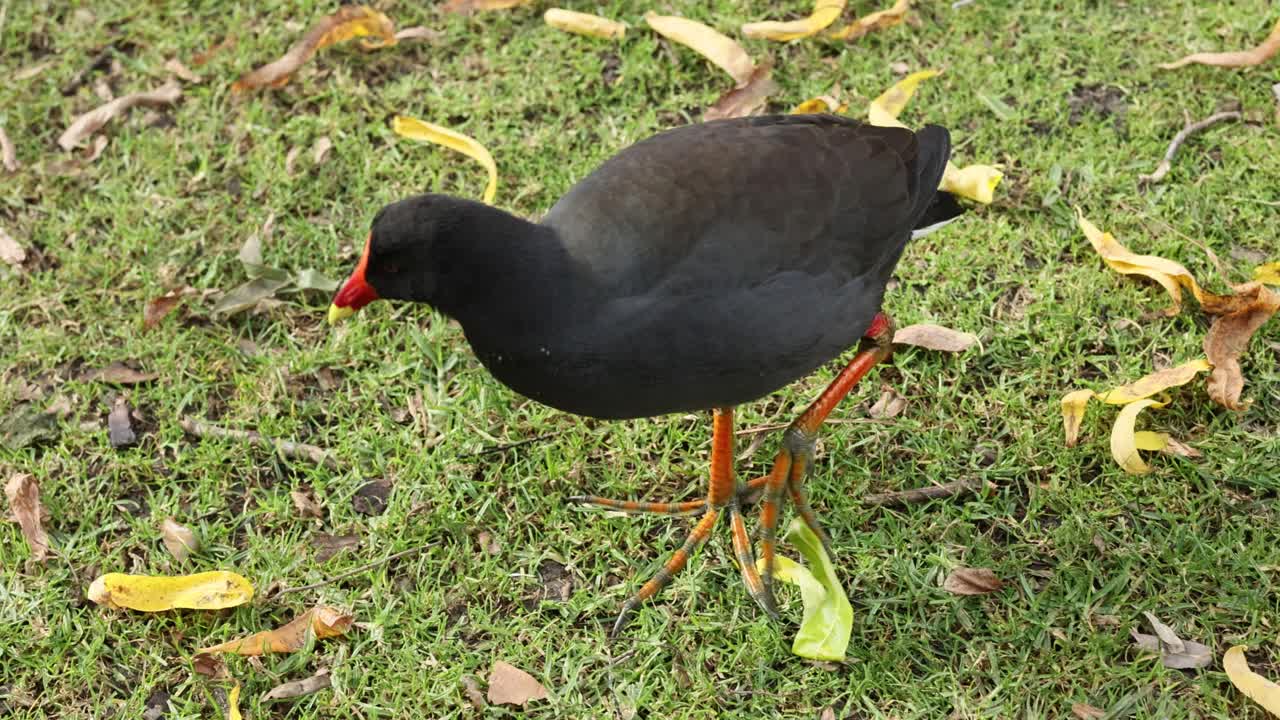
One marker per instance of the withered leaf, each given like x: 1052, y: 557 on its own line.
x: 1228, y: 338
x: 27, y: 425
x: 1084, y: 711
x: 320, y: 151
x: 119, y: 425
x: 509, y: 685
x: 350, y: 21
x: 178, y: 539
x: 469, y: 6
x: 1194, y: 655
x: 11, y: 253
x: 175, y: 66
x: 1243, y: 58
x: 1254, y: 686
x: 23, y: 494
x: 117, y: 373
x: 418, y: 32
x: 8, y: 155
x: 305, y: 504
x: 724, y: 52
x: 875, y: 21
x: 90, y: 122
x: 322, y: 621
x: 584, y: 24
x: 972, y: 581
x: 300, y: 688
x: 158, y: 307
x: 746, y: 100
x: 371, y: 498
x: 890, y: 405
x: 329, y: 545
x: 471, y: 689
x: 935, y: 337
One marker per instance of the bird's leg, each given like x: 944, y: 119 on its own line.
x: 722, y: 493
x: 796, y: 454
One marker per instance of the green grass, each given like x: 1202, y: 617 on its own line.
x: 176, y: 193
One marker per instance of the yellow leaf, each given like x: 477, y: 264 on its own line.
x: 975, y: 182
x: 1118, y: 257
x: 1150, y: 441
x: 584, y: 23
x: 1124, y: 445
x: 428, y: 132
x: 1242, y: 58
x: 1269, y: 273
x: 1073, y: 405
x: 202, y: 591
x: 364, y: 22
x: 233, y: 703
x: 723, y: 52
x: 468, y: 6
x: 824, y: 13
x: 875, y: 21
x: 321, y: 621
x: 884, y: 110
x: 348, y: 22
x: 1254, y: 686
x: 1155, y: 382
x: 820, y: 104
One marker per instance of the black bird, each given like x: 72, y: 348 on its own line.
x: 702, y: 268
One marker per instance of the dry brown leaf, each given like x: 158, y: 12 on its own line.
x: 470, y: 6
x: 329, y: 545
x: 201, y: 58
x: 580, y: 23
x: 300, y: 688
x: 509, y: 685
x: 875, y: 21
x: 118, y: 373
x: 350, y: 21
x: 23, y: 493
x: 824, y: 13
x: 11, y: 253
x: 179, y: 540
x: 322, y: 620
x: 320, y: 151
x: 175, y: 66
x: 746, y: 100
x: 1193, y: 655
x: 1228, y: 338
x: 8, y: 155
x: 157, y: 308
x: 723, y: 52
x: 890, y: 405
x: 1084, y: 711
x: 119, y: 425
x: 418, y: 32
x: 1243, y: 58
x: 471, y: 689
x: 935, y: 337
x: 972, y: 581
x: 305, y: 504
x: 90, y: 122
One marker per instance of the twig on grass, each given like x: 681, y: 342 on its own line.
x: 1166, y: 164
x: 933, y: 492
x: 287, y: 448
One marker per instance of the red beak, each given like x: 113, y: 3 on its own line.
x: 356, y: 292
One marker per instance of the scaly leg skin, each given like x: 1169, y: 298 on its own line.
x: 796, y: 455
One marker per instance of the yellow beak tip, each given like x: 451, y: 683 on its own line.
x: 338, y: 314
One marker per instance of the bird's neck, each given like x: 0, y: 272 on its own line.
x: 502, y: 274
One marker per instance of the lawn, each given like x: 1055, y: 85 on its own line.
x: 1065, y: 94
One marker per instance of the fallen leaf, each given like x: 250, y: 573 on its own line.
x: 201, y: 58
x: 1124, y: 445
x: 119, y: 426
x: 975, y: 182
x: 746, y: 100
x: 350, y: 21
x: 329, y: 545
x: 828, y: 713
x: 23, y: 494
x: 8, y: 155
x: 827, y: 622
x: 320, y: 151
x: 1156, y: 382
x: 157, y: 308
x: 824, y: 13
x: 1173, y: 447
x: 820, y: 104
x: 427, y: 132
x: 509, y: 685
x: 584, y: 24
x: 875, y: 21
x: 890, y: 405
x: 885, y: 109
x: 178, y: 539
x: 175, y: 66
x: 117, y: 373
x: 723, y: 51
x: 305, y: 504
x: 155, y: 593
x: 1085, y: 711
x: 371, y: 498
x: 1228, y: 338
x: 27, y: 425
x: 935, y: 337
x: 1254, y: 686
x: 247, y: 295
x: 419, y: 32
x: 322, y: 621
x: 468, y: 6
x: 1175, y: 653
x: 300, y: 688
x: 95, y: 150
x: 11, y: 253
x: 472, y: 690
x: 90, y: 122
x: 1243, y: 58
x: 312, y: 279
x: 1268, y: 273
x: 233, y: 703
x: 972, y: 581
x: 1166, y: 634
x: 210, y: 666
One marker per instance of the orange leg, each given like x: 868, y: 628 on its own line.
x: 796, y: 455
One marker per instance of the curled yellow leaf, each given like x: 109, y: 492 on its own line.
x: 723, y: 52
x: 1254, y: 686
x: 584, y: 24
x: 820, y: 104
x: 1268, y: 273
x: 233, y: 703
x: 322, y: 621
x: 1124, y: 444
x: 1073, y: 406
x: 975, y: 182
x: 202, y: 591
x: 1119, y: 258
x: 350, y: 21
x: 824, y: 13
x: 431, y: 133
x: 1158, y: 381
x: 886, y: 108
x: 1150, y: 441
x: 875, y: 21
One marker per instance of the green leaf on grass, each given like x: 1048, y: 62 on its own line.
x: 828, y: 617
